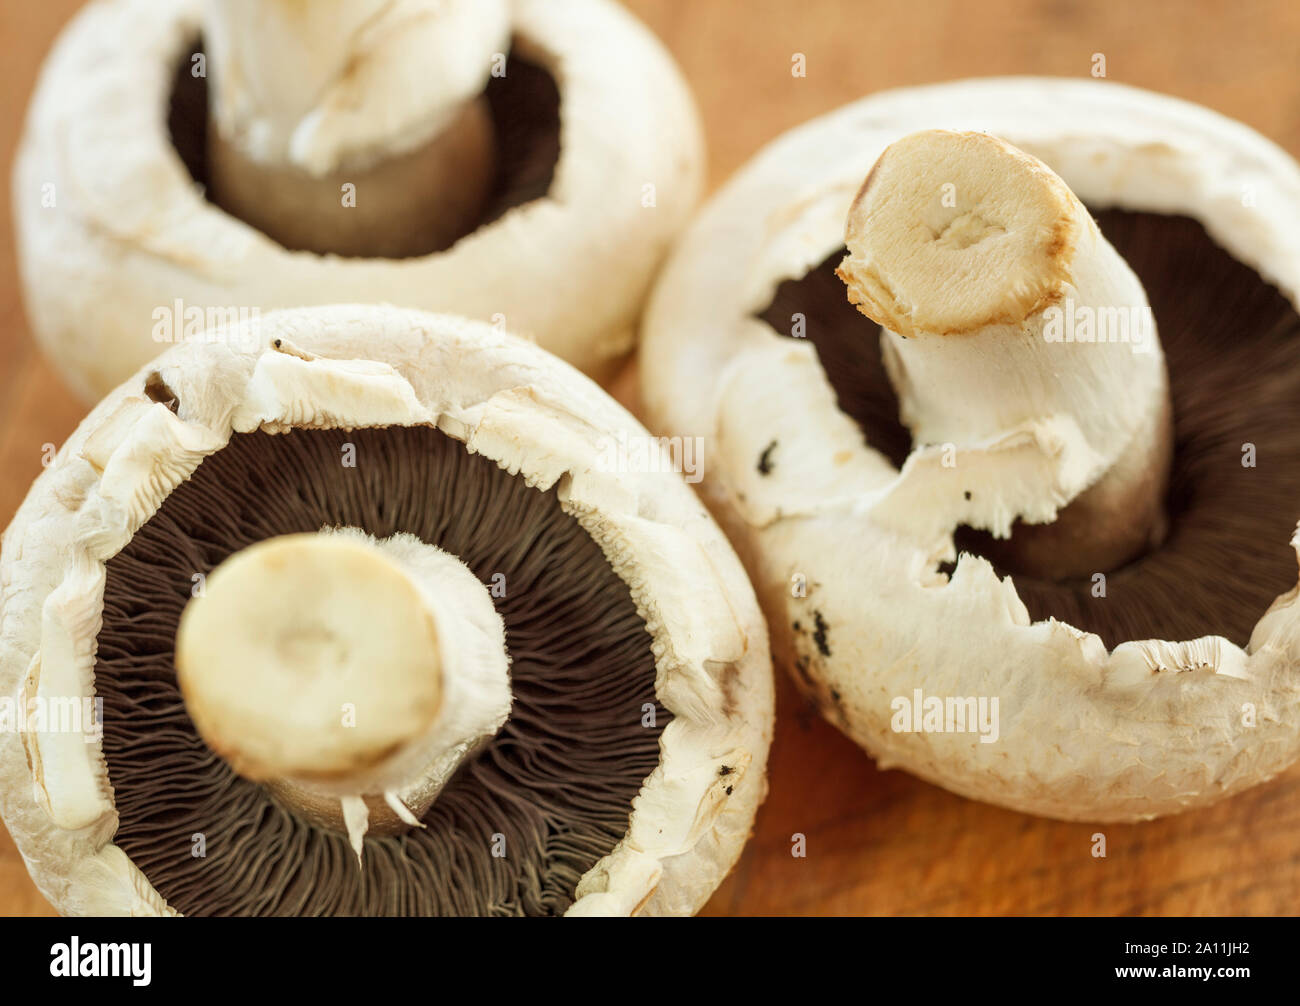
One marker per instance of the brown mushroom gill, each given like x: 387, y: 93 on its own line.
x: 525, y: 111
x: 552, y: 791
x: 1232, y: 344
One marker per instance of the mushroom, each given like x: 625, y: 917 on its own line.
x: 373, y: 627
x: 1049, y: 602
x: 185, y: 164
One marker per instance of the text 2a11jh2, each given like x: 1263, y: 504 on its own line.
x: 1164, y: 949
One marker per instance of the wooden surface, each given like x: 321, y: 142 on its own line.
x: 878, y: 843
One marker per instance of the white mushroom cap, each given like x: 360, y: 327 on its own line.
x: 1150, y: 727
x: 355, y: 367
x: 130, y: 235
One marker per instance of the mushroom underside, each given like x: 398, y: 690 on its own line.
x: 524, y: 106
x: 517, y: 827
x: 1232, y: 345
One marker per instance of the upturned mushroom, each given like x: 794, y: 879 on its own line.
x: 345, y: 611
x: 184, y: 163
x: 1028, y: 528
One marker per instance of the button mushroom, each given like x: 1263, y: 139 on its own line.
x: 1023, y: 529
x: 372, y: 628
x: 184, y: 163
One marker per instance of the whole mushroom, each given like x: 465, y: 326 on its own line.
x: 185, y: 162
x: 1027, y: 529
x: 367, y: 624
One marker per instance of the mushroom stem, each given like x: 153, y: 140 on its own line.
x: 351, y: 676
x: 1005, y: 312
x: 353, y: 127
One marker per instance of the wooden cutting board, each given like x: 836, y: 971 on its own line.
x: 875, y: 842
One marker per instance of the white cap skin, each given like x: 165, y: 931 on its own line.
x: 1151, y: 727
x: 357, y: 366
x: 336, y: 667
x: 335, y: 83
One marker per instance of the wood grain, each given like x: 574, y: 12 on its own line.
x: 876, y: 842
